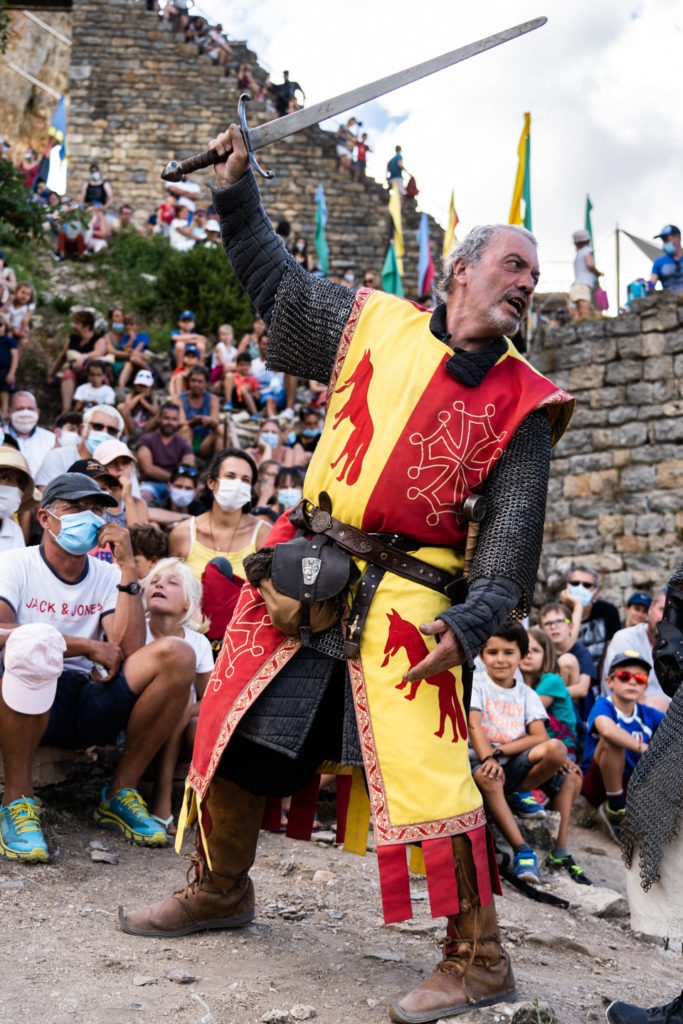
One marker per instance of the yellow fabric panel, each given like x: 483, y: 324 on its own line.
x: 358, y: 816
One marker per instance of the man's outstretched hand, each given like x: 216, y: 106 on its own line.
x: 447, y: 654
x: 231, y: 145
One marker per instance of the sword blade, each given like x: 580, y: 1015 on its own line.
x: 281, y: 127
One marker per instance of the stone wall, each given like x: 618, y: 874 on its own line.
x: 140, y: 96
x: 616, y: 491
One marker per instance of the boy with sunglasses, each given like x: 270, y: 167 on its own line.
x: 619, y: 731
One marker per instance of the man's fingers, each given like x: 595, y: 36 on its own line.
x: 435, y: 661
x: 433, y: 628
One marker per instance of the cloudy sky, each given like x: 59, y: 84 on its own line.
x: 597, y: 80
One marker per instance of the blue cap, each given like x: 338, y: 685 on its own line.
x: 639, y: 598
x: 668, y: 229
x: 629, y: 658
x: 186, y: 314
x: 192, y: 350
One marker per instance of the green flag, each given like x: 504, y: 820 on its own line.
x: 391, y: 279
x: 319, y: 237
x: 589, y: 229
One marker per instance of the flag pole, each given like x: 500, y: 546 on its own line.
x: 618, y: 269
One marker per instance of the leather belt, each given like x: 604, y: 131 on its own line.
x: 371, y: 548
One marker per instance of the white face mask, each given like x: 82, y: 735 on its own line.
x: 10, y: 500
x: 584, y: 596
x: 68, y: 438
x: 232, y: 494
x: 24, y: 420
x: 181, y: 496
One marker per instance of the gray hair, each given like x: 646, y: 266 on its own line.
x: 579, y: 567
x: 471, y: 250
x: 107, y: 410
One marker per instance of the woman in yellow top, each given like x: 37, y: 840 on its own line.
x: 227, y: 529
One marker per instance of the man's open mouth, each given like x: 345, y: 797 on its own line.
x: 519, y: 305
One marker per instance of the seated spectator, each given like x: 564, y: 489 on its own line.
x: 149, y: 544
x: 9, y: 360
x: 140, y: 408
x: 185, y: 335
x: 119, y: 461
x: 96, y: 390
x: 178, y: 13
x: 166, y: 215
x: 641, y: 638
x: 72, y: 230
x: 539, y: 668
x: 34, y: 442
x: 29, y: 165
x: 301, y: 254
x: 271, y: 382
x: 637, y: 608
x: 124, y: 221
x: 619, y: 730
x: 185, y: 189
x: 249, y: 341
x: 172, y: 598
x: 309, y: 434
x: 241, y: 388
x: 99, y: 229
x: 96, y: 190
x: 222, y: 357
x: 96, y: 607
x: 599, y: 619
x: 160, y: 452
x: 100, y: 423
x: 8, y: 280
x: 218, y: 49
x: 130, y: 355
x: 16, y: 495
x: 289, y: 488
x: 181, y: 235
x: 199, y: 413
x: 370, y: 279
x: 266, y: 494
x: 181, y: 502
x: 115, y: 331
x: 18, y: 311
x: 244, y: 79
x: 83, y: 345
x: 192, y: 360
x: 213, y: 234
x: 68, y: 429
x: 512, y: 755
x: 271, y: 446
x: 555, y: 620
x: 346, y: 140
x: 227, y: 529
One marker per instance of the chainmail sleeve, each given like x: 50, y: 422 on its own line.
x: 504, y: 568
x: 306, y: 314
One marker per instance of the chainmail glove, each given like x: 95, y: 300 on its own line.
x: 489, y: 603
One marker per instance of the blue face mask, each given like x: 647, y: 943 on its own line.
x: 119, y: 328
x: 291, y: 437
x: 78, y: 533
x: 669, y: 248
x: 94, y: 438
x: 289, y: 496
x: 584, y: 596
x: 270, y: 438
x: 311, y: 432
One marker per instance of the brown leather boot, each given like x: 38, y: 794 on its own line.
x: 475, y: 970
x: 219, y: 897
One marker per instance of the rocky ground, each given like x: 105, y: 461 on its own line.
x: 317, y: 949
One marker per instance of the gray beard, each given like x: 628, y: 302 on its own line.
x: 503, y: 323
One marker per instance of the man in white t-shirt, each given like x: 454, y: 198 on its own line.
x: 641, y: 639
x: 111, y: 679
x: 181, y: 234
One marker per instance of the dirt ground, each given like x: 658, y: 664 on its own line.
x: 317, y: 949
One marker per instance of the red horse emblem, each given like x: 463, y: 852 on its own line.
x: 403, y: 634
x: 356, y: 410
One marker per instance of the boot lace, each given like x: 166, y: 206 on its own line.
x: 24, y: 817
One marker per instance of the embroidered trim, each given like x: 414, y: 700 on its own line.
x: 362, y: 296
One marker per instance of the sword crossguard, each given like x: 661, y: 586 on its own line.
x: 242, y: 115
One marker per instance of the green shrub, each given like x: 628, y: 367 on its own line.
x: 20, y: 216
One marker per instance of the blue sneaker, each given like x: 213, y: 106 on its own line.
x: 523, y: 804
x: 20, y: 835
x: 128, y: 813
x: 525, y: 866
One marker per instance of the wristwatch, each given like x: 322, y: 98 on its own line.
x: 129, y: 588
x: 495, y: 756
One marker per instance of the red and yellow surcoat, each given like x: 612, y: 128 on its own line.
x: 403, y: 446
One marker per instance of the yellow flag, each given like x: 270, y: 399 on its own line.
x: 449, y: 238
x: 395, y: 211
x: 522, y: 185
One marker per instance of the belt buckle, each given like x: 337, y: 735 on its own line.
x: 320, y: 521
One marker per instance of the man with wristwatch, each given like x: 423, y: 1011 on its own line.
x: 110, y: 680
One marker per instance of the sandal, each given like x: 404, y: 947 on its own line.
x: 167, y: 824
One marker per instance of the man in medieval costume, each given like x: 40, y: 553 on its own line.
x: 424, y: 411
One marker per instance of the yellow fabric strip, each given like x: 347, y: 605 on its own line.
x: 358, y: 816
x: 416, y: 864
x: 187, y: 814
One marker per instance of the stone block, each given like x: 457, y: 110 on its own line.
x: 603, y: 481
x: 658, y: 368
x: 540, y: 833
x: 625, y: 323
x: 630, y: 544
x: 620, y: 414
x: 670, y: 474
x: 574, y: 441
x: 627, y: 436
x: 582, y: 509
x: 678, y: 365
x: 668, y: 429
x: 637, y: 478
x: 630, y: 346
x: 590, y: 329
x: 653, y: 344
x: 563, y: 529
x: 649, y: 524
x: 667, y: 501
x: 621, y: 457
x: 607, y: 561
x: 603, y: 398
x: 625, y: 372
x: 663, y: 319
x: 578, y: 354
x: 610, y: 525
x: 588, y: 463
x: 577, y: 486
x: 673, y: 341
x: 604, y: 350
x: 589, y: 376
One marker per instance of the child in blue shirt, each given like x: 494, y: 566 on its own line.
x: 619, y: 731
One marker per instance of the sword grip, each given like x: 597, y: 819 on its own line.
x: 175, y: 169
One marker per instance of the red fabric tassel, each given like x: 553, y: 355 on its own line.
x: 343, y: 796
x: 478, y: 842
x: 272, y: 814
x: 493, y: 863
x: 302, y: 811
x: 441, y: 884
x: 394, y: 883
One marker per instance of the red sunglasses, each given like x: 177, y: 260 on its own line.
x: 624, y: 676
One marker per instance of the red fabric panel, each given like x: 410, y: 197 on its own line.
x: 441, y: 884
x: 344, y: 783
x: 394, y: 883
x: 493, y: 863
x: 478, y: 842
x: 302, y: 811
x: 272, y: 815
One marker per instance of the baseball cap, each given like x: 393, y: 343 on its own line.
x: 192, y: 350
x: 72, y: 486
x: 668, y: 229
x: 212, y: 225
x: 10, y: 458
x: 34, y: 660
x: 629, y: 658
x: 581, y: 236
x: 95, y: 470
x: 107, y: 451
x: 639, y: 598
x: 145, y: 377
x: 186, y: 314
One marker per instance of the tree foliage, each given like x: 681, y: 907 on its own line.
x: 20, y: 215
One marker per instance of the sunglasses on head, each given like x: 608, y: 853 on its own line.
x: 186, y: 471
x: 624, y: 676
x: 581, y: 583
x: 113, y: 431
